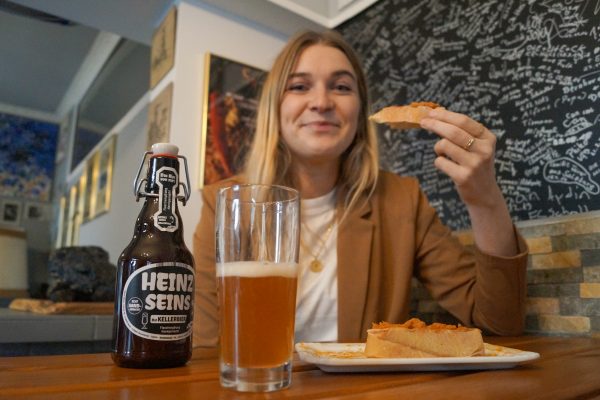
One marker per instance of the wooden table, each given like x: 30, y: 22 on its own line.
x: 569, y: 368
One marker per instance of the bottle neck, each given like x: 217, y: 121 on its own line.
x: 161, y: 171
x: 163, y: 181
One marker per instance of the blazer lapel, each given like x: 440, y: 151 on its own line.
x: 353, y: 259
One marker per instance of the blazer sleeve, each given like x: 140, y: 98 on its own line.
x: 206, y: 323
x: 479, y: 289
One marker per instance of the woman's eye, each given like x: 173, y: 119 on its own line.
x: 342, y: 87
x: 297, y: 87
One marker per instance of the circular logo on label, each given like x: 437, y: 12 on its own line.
x: 158, y: 301
x: 134, y: 305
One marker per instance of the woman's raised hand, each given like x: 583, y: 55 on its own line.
x: 466, y: 154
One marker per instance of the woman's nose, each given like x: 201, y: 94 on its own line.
x: 321, y: 99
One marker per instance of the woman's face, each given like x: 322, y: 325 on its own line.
x: 320, y: 106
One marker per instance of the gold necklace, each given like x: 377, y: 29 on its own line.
x: 316, y: 265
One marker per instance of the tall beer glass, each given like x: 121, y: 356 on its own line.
x: 257, y: 236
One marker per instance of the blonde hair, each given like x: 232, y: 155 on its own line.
x: 269, y: 158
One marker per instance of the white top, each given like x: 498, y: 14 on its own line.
x: 317, y: 296
x: 165, y: 148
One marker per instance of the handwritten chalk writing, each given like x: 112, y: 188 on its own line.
x: 529, y: 71
x: 565, y: 170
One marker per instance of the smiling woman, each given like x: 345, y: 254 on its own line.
x: 369, y: 231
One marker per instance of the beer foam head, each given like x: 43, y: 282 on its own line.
x: 257, y: 269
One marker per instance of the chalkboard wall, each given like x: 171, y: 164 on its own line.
x: 528, y: 70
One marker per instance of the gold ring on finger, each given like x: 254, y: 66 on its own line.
x: 467, y: 146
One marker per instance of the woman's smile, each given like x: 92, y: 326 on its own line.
x: 321, y: 126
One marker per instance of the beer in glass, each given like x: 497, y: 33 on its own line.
x: 257, y: 234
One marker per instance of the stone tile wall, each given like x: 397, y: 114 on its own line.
x: 563, y: 278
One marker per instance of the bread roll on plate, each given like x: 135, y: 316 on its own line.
x: 415, y: 339
x: 404, y: 117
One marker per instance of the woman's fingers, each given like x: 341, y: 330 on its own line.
x: 467, y: 124
x: 468, y: 135
x: 456, y: 172
x: 480, y: 151
x: 453, y: 133
x: 446, y: 148
x: 461, y: 130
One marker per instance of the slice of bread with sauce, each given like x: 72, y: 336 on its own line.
x: 404, y: 117
x: 415, y: 339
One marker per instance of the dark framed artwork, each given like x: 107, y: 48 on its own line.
x: 35, y: 211
x: 10, y: 212
x: 229, y: 116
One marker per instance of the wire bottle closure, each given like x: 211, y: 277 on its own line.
x: 138, y: 184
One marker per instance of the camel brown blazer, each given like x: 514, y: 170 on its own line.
x: 381, y: 245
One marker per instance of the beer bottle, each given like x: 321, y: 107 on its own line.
x: 155, y: 279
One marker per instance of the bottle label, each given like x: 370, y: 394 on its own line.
x: 158, y: 301
x: 165, y: 219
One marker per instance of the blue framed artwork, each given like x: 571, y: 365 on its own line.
x: 27, y: 152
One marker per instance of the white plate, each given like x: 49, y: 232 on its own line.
x: 349, y: 357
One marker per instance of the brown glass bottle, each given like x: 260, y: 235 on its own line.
x: 155, y: 278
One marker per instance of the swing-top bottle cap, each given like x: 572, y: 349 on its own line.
x: 167, y: 149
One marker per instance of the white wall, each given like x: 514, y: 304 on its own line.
x: 200, y: 29
x: 113, y: 230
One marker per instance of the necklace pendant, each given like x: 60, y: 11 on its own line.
x: 316, y: 265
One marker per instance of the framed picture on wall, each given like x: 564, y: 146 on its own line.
x: 86, y: 186
x: 35, y: 211
x: 73, y: 217
x: 102, y: 177
x: 63, y: 217
x: 159, y: 117
x: 162, y: 55
x: 81, y: 199
x: 229, y: 116
x: 27, y: 151
x: 10, y: 212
